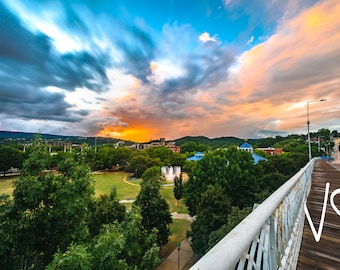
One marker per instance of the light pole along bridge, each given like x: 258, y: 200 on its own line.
x: 277, y: 234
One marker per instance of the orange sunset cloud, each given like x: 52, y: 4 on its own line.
x: 233, y: 68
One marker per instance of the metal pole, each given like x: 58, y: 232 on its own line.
x: 308, y: 123
x: 179, y: 248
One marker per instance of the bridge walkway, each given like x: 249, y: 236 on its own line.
x: 324, y: 254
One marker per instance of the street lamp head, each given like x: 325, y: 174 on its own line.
x: 323, y: 99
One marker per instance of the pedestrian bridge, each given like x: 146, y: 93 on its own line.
x: 297, y: 227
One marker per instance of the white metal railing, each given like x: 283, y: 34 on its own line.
x: 269, y: 237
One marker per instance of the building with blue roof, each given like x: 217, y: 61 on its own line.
x: 196, y: 157
x: 249, y: 148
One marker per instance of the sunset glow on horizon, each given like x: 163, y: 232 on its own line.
x: 141, y: 70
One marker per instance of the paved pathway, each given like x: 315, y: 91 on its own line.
x: 325, y: 253
x: 176, y: 215
x: 185, y: 252
x: 171, y: 262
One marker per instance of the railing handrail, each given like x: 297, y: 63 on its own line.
x: 226, y: 253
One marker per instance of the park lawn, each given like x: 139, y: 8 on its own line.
x: 125, y: 189
x: 178, y: 228
x: 6, y: 185
x: 168, y: 194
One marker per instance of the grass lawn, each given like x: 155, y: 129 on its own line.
x: 6, y: 185
x: 178, y: 230
x: 168, y: 194
x: 125, y: 190
x: 129, y: 190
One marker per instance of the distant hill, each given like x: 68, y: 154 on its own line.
x: 27, y: 136
x: 215, y: 142
x: 6, y: 136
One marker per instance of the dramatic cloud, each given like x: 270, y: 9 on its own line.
x: 29, y: 64
x: 141, y: 71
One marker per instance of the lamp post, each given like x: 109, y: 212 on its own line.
x: 179, y: 249
x: 308, y: 123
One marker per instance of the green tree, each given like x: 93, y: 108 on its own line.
x: 269, y: 183
x: 125, y: 245
x: 10, y: 157
x: 48, y: 211
x: 178, y: 159
x: 325, y: 133
x: 6, y: 239
x: 121, y: 156
x: 105, y: 157
x: 335, y: 134
x: 163, y: 153
x: 75, y: 257
x: 178, y: 188
x: 235, y: 217
x: 202, y: 147
x: 282, y: 164
x: 188, y: 165
x: 233, y: 170
x: 105, y: 210
x: 212, y: 212
x: 155, y: 211
x: 137, y: 165
x: 189, y: 147
x: 153, y: 174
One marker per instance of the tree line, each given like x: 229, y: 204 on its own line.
x: 53, y: 220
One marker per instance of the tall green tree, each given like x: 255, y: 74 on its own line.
x: 212, y: 212
x: 232, y: 170
x: 155, y: 211
x: 48, y: 211
x: 178, y: 188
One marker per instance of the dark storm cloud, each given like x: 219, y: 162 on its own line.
x: 28, y: 102
x: 81, y: 69
x: 201, y: 70
x: 138, y: 49
x: 29, y: 63
x: 18, y: 44
x: 42, y: 64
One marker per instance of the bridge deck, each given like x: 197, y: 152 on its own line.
x: 324, y: 254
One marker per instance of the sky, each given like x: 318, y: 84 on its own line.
x: 142, y: 70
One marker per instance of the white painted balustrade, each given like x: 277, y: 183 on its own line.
x: 270, y: 237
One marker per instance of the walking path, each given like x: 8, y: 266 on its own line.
x: 325, y: 253
x: 177, y: 260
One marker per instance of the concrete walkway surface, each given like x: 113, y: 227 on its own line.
x: 185, y: 252
x: 171, y: 262
x: 176, y: 215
